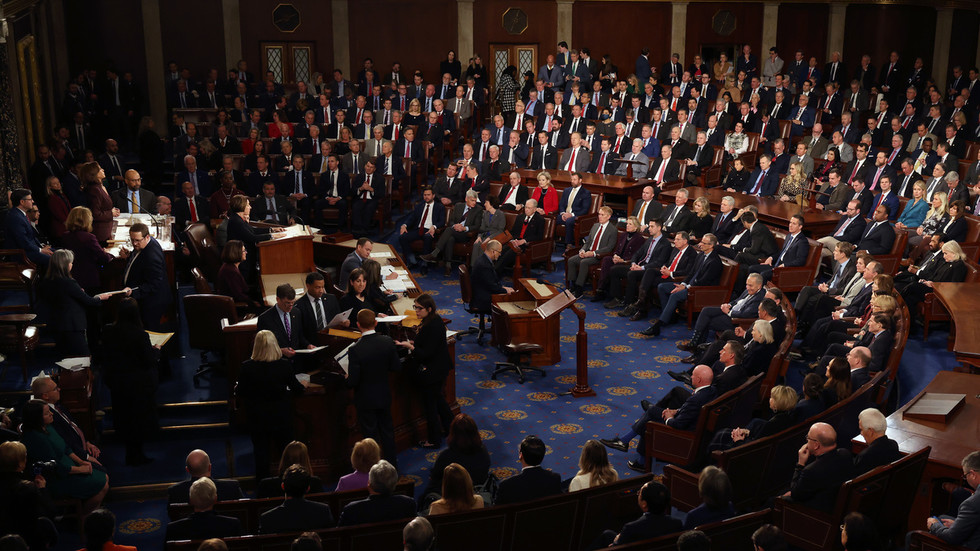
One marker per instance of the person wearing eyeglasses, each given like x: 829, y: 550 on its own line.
x: 821, y: 468
x: 145, y: 276
x: 430, y: 355
x: 964, y: 528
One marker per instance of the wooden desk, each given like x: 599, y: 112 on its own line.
x: 950, y: 442
x: 525, y: 325
x: 772, y: 212
x: 962, y: 300
x: 286, y: 259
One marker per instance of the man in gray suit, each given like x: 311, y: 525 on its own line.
x: 582, y: 160
x: 964, y: 529
x: 465, y: 219
x: 635, y: 155
x: 602, y: 239
x: 354, y: 161
x: 816, y: 143
x: 688, y: 131
x: 845, y: 153
x: 373, y: 146
x: 460, y: 105
x: 362, y: 252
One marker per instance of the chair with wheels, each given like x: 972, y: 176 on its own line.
x: 204, y: 313
x: 518, y: 354
x: 466, y: 293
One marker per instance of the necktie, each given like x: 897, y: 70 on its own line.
x: 511, y: 193
x: 789, y: 241
x: 425, y: 216
x: 602, y: 163
x: 660, y: 172
x: 318, y: 310
x: 619, y: 143
x: 395, y: 131
x: 270, y: 207
x: 571, y: 161
x: 524, y: 227
x: 673, y: 215
x: 356, y: 165
x: 333, y: 184
x: 81, y: 137
x: 483, y: 151
x: 677, y: 258
x: 643, y: 210
x: 833, y: 282
x: 183, y: 102
x: 698, y: 154
x: 299, y: 183
x: 874, y: 182
x: 857, y: 166
x: 408, y: 150
x: 758, y: 183
x: 871, y: 228
x: 364, y: 194
x: 650, y: 247
x: 115, y: 163
x: 285, y: 323
x: 598, y: 234
x: 193, y: 206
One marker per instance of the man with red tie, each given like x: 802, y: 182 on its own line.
x: 604, y: 161
x: 427, y: 217
x: 190, y: 208
x: 601, y: 240
x: 526, y: 229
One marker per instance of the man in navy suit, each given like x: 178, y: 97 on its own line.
x: 763, y: 181
x: 20, y: 233
x: 145, y: 276
x: 719, y: 318
x: 296, y: 513
x: 795, y: 250
x: 706, y: 271
x: 484, y: 280
x: 816, y: 483
x: 604, y: 160
x: 333, y: 191
x: 428, y: 216
x: 654, y: 501
x: 879, y: 236
x: 534, y: 481
x: 284, y: 323
x: 684, y: 417
x: 575, y: 201
x: 203, y: 523
x: 802, y: 117
x: 200, y: 178
x: 382, y: 504
x: 887, y: 197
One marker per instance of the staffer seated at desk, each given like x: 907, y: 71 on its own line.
x: 284, y: 323
x: 239, y: 228
x: 485, y: 281
x: 357, y: 297
x: 230, y: 281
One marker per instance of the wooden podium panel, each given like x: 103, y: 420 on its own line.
x: 517, y: 311
x: 286, y: 255
x: 962, y: 301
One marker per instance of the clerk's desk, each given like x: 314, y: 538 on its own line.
x: 286, y: 258
x: 111, y: 276
x: 325, y: 418
x: 524, y: 324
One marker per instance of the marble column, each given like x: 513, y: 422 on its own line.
x: 464, y: 30
x: 678, y: 29
x: 835, y: 31
x: 770, y: 19
x: 231, y: 14
x: 341, y: 37
x: 153, y: 43
x: 940, y: 52
x: 564, y: 24
x: 11, y: 176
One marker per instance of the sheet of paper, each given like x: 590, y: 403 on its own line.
x: 343, y: 359
x: 160, y: 339
x: 75, y: 364
x: 395, y: 285
x: 303, y: 378
x: 340, y: 318
x: 382, y: 254
x: 540, y: 289
x: 391, y: 319
x: 246, y: 323
x: 310, y: 350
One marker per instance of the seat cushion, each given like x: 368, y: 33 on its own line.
x: 524, y: 348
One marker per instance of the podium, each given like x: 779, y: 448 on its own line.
x: 285, y: 260
x: 629, y: 167
x: 519, y: 311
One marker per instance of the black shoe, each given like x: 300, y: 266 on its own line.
x: 637, y: 466
x: 680, y: 376
x: 598, y: 297
x: 615, y: 444
x: 431, y: 258
x: 703, y: 347
x: 653, y: 330
x: 693, y: 358
x: 638, y: 316
x: 614, y: 303
x: 627, y: 312
x: 645, y: 404
x: 687, y: 346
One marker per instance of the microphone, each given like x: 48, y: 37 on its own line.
x: 156, y: 222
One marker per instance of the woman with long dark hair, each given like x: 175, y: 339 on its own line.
x: 452, y: 66
x: 464, y: 446
x: 430, y: 353
x: 99, y: 528
x: 132, y: 376
x: 99, y: 202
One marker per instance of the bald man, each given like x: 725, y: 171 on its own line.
x: 132, y: 198
x: 821, y: 468
x: 198, y: 465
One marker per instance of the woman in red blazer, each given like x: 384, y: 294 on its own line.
x: 99, y: 201
x: 550, y: 203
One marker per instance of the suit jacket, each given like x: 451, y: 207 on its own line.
x: 582, y: 160
x: 284, y: 210
x: 347, y: 162
x: 796, y: 254
x: 703, y: 160
x: 706, y: 270
x: 438, y: 216
x: 854, y: 230
x: 687, y: 415
x: 730, y: 378
x: 369, y: 361
x: 966, y: 528
x: 550, y: 155
x: 682, y: 221
x: 454, y: 191
x: 816, y: 484
x: 346, y: 267
x: 227, y: 490
x: 671, y: 173
x: 182, y: 211
x: 521, y: 152
x: 377, y: 508
x: 20, y: 234
x: 270, y: 320
x: 331, y: 307
x: 725, y: 229
x: 203, y: 525
x: 147, y: 271
x: 204, y: 185
x: 770, y: 184
x: 882, y: 451
x: 607, y: 242
x: 520, y: 196
x: 325, y: 186
x: 763, y: 243
x: 649, y: 526
x: 654, y: 211
x: 296, y: 515
x: 147, y: 201
x: 485, y: 281
x: 662, y: 250
x: 531, y: 483
x: 877, y: 240
x: 583, y: 200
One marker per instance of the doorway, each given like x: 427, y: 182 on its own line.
x: 522, y: 56
x: 290, y: 62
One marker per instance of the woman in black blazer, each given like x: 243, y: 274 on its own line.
x: 356, y: 298
x: 430, y: 353
x: 68, y: 302
x: 782, y: 401
x: 954, y: 270
x: 266, y: 386
x: 238, y: 228
x: 956, y: 227
x: 132, y: 377
x: 760, y: 350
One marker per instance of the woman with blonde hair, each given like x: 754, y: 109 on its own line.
x: 702, y: 218
x: 414, y: 115
x: 782, y: 402
x: 295, y: 453
x: 915, y: 210
x: 791, y: 187
x: 593, y: 468
x: 953, y: 269
x: 90, y: 258
x: 266, y: 386
x: 545, y: 194
x: 457, y: 492
x: 366, y: 454
x: 936, y: 218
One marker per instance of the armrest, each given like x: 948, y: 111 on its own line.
x: 683, y: 486
x: 707, y: 296
x: 669, y: 444
x: 744, y: 323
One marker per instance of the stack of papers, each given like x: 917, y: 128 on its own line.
x: 382, y: 254
x: 75, y: 364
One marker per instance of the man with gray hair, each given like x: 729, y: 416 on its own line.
x: 203, y: 523
x: 418, y: 535
x: 639, y: 161
x: 821, y: 468
x: 955, y: 190
x: 382, y: 504
x: 964, y: 528
x: 464, y: 223
x: 880, y: 449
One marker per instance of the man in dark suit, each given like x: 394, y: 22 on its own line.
x: 879, y: 236
x: 842, y: 272
x: 762, y: 242
x: 575, y: 201
x: 526, y: 229
x: 145, y: 276
x: 284, y: 323
x: 317, y: 308
x: 601, y: 240
x: 796, y: 248
x: 199, y: 178
x: 725, y: 224
x: 382, y: 504
x: 684, y: 417
x: 676, y: 262
x: 719, y: 318
x: 665, y: 168
x: 513, y: 195
x: 464, y: 223
x: 484, y: 279
x: 706, y: 271
x: 198, y: 465
x: 190, y: 208
x: 963, y: 529
x: 626, y: 276
x: 654, y: 501
x: 427, y: 218
x: 881, y: 450
x: 203, y: 523
x: 763, y: 181
x: 333, y: 191
x: 272, y: 207
x: 821, y: 468
x: 368, y: 189
x: 20, y: 232
x: 361, y: 252
x: 133, y: 198
x: 369, y: 361
x: 534, y: 481
x: 702, y: 158
x: 544, y: 156
x: 296, y: 514
x: 677, y: 217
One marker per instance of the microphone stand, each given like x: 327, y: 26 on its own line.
x: 155, y: 223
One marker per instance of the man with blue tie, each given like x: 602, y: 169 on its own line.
x: 707, y: 271
x: 762, y: 182
x: 20, y: 233
x: 886, y: 197
x: 795, y: 250
x: 802, y: 118
x: 880, y: 235
x: 719, y: 318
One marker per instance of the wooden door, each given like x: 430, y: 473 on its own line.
x: 522, y: 56
x: 290, y: 62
